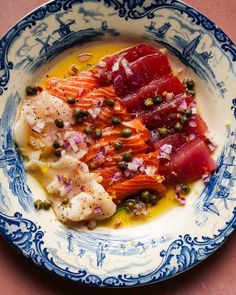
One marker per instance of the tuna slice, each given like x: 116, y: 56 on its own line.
x: 164, y: 115
x: 189, y: 163
x: 169, y: 83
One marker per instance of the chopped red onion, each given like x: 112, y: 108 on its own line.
x: 182, y: 106
x: 194, y: 111
x: 142, y: 168
x: 150, y: 170
x: 192, y: 124
x: 138, y: 161
x: 94, y: 112
x: 191, y: 137
x: 68, y: 189
x: 39, y: 126
x: 73, y: 145
x: 133, y: 167
x: 140, y: 209
x: 98, y: 211
x: 166, y: 148
x: 116, y: 176
x: 100, y: 157
x: 180, y: 198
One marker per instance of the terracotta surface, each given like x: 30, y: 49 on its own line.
x: 215, y: 276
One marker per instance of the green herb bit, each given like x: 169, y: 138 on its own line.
x: 71, y: 100
x: 38, y: 204
x: 118, y: 145
x: 157, y: 99
x: 127, y: 157
x: 116, y: 120
x: 149, y: 102
x: 59, y: 123
x: 178, y: 127
x: 31, y: 90
x: 98, y: 133
x: 145, y: 196
x: 110, y: 102
x: 123, y: 165
x: 47, y: 204
x: 65, y: 201
x: 126, y: 132
x: 88, y: 130
x: 185, y: 188
x: 130, y: 204
x: 163, y: 131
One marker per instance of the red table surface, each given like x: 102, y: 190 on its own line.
x: 217, y: 275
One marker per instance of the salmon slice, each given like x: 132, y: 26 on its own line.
x: 75, y: 87
x: 136, y: 184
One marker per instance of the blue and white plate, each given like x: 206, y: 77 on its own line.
x: 182, y: 237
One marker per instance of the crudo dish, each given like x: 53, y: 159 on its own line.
x: 117, y: 150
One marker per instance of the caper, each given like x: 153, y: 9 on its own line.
x: 130, y: 204
x: 183, y: 119
x: 56, y: 144
x: 47, y: 204
x: 118, y: 145
x: 31, y: 90
x: 163, y: 131
x: 185, y: 188
x: 116, y: 120
x: 71, y: 100
x: 189, y: 112
x: 153, y: 199
x: 77, y: 113
x: 145, y: 196
x: 58, y: 152
x: 127, y: 157
x: 98, y: 133
x: 178, y: 127
x: 110, y: 102
x: 157, y: 99
x: 149, y: 102
x: 79, y: 120
x: 189, y: 84
x: 126, y: 132
x: 65, y: 201
x: 38, y: 204
x: 123, y: 165
x: 88, y: 130
x: 93, y: 165
x: 59, y: 123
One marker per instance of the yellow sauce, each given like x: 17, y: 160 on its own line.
x: 121, y: 218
